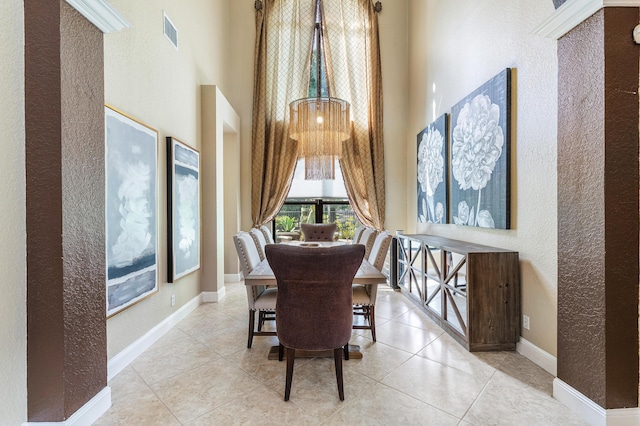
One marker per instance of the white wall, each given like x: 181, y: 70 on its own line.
x: 242, y: 32
x: 147, y: 78
x: 394, y: 53
x: 13, y: 285
x: 457, y: 45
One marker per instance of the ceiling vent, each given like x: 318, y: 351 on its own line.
x: 170, y: 31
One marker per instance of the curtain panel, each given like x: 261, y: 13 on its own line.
x: 284, y: 33
x: 354, y: 74
x: 284, y: 36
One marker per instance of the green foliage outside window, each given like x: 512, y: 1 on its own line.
x: 285, y: 223
x: 346, y: 228
x: 292, y: 215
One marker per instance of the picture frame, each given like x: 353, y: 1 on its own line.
x: 183, y: 209
x: 131, y: 210
x: 480, y: 152
x: 433, y: 171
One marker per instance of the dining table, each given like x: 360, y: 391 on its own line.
x: 367, y: 274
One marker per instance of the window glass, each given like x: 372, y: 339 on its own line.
x: 326, y: 189
x: 305, y: 195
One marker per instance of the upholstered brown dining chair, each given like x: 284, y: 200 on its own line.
x: 318, y: 231
x: 314, y: 302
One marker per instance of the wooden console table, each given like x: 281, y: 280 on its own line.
x: 472, y: 291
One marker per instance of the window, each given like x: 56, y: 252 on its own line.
x: 316, y: 201
x: 353, y: 79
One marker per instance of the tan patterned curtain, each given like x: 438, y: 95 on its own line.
x: 354, y: 73
x: 284, y: 33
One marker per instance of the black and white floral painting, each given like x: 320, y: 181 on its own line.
x: 131, y: 210
x: 480, y: 153
x: 432, y: 172
x: 183, y: 162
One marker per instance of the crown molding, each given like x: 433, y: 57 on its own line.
x: 573, y: 12
x: 101, y: 14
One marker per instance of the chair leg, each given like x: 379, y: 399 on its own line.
x: 260, y: 320
x: 372, y: 321
x: 280, y: 352
x: 337, y: 358
x: 291, y: 356
x: 345, y: 349
x: 252, y: 317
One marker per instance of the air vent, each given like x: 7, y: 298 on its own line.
x: 170, y: 31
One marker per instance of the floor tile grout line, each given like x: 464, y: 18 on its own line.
x: 413, y: 397
x: 495, y: 369
x: 263, y: 379
x: 478, y: 396
x: 397, y: 367
x: 422, y: 402
x: 178, y: 373
x: 166, y: 406
x: 130, y: 392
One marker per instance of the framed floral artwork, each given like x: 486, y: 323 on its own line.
x: 480, y: 156
x: 183, y: 205
x: 432, y: 171
x: 131, y: 217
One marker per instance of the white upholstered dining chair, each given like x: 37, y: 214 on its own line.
x: 364, y: 295
x: 259, y: 298
x: 357, y: 234
x: 367, y: 238
x: 260, y: 241
x: 267, y: 234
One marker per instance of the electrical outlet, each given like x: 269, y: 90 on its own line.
x: 173, y: 302
x: 525, y: 322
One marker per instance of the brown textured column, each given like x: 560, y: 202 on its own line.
x: 64, y: 97
x: 598, y: 223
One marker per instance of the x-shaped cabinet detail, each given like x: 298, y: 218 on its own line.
x: 471, y: 291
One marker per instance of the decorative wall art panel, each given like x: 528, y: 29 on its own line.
x: 432, y: 172
x: 480, y: 155
x: 131, y: 210
x: 183, y: 201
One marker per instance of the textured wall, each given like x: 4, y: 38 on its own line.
x: 580, y: 239
x: 45, y: 328
x: 598, y: 208
x: 147, y: 78
x: 66, y: 346
x: 454, y: 47
x: 13, y: 368
x: 83, y: 222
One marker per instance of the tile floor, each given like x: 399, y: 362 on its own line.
x: 201, y: 373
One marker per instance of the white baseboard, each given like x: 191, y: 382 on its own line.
x: 542, y: 358
x: 579, y: 404
x: 623, y: 417
x: 213, y: 296
x: 591, y: 412
x: 232, y: 278
x: 120, y: 361
x: 87, y: 414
